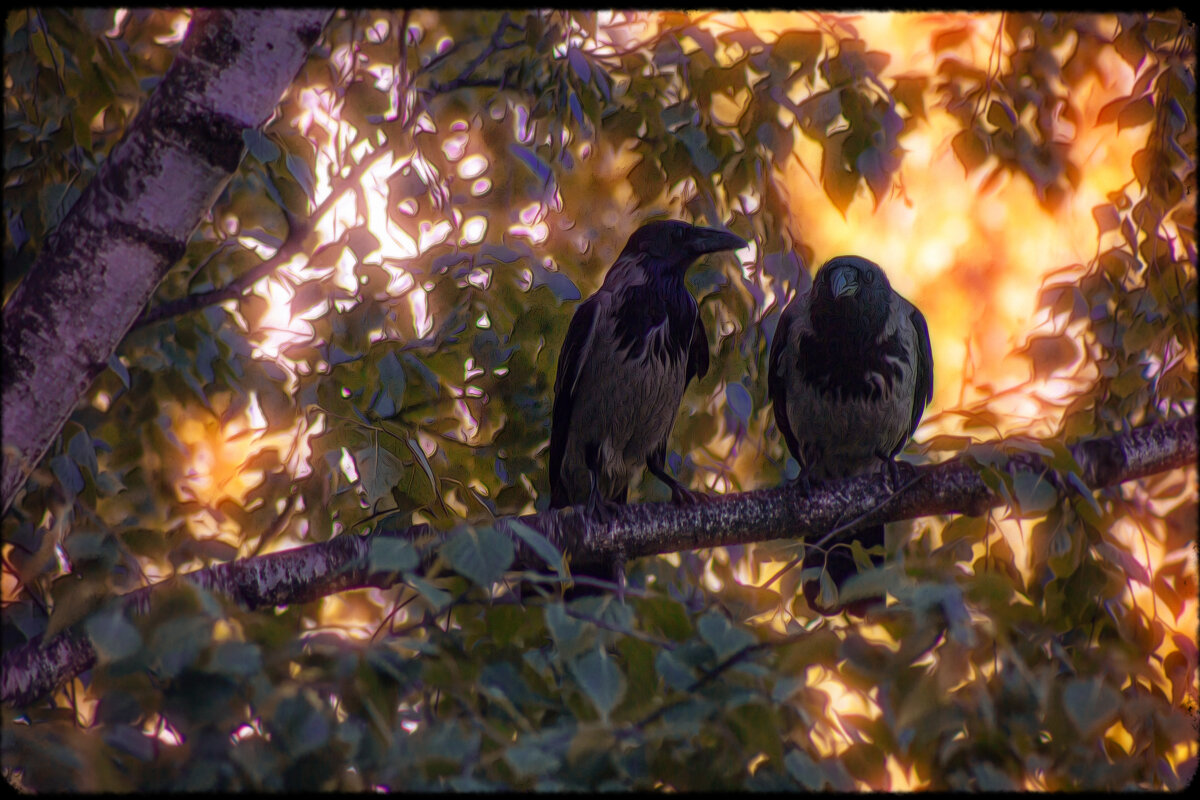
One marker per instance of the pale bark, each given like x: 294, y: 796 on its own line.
x: 97, y: 270
x: 306, y: 573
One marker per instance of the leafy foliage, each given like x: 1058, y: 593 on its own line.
x: 417, y: 222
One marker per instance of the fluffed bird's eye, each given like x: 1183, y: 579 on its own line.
x: 868, y: 277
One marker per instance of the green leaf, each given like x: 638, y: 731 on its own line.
x: 260, y: 146
x: 871, y: 165
x: 1029, y: 446
x: 1001, y: 115
x: 437, y: 598
x: 570, y: 635
x: 674, y: 672
x: 970, y: 148
x: 301, y: 727
x: 687, y: 719
x: 131, y: 741
x: 697, y: 146
x: 236, y: 659
x: 864, y: 583
x: 67, y: 472
x: 601, y: 679
x: 579, y: 63
x: 391, y: 378
x: 972, y: 529
x: 479, y: 554
x: 80, y: 449
x: 1091, y: 705
x: 534, y: 162
x: 299, y: 170
x: 56, y: 200
x: 540, y: 545
x: 739, y: 401
x: 666, y: 616
x: 114, y: 363
x: 378, y: 471
x: 1033, y: 493
x: 724, y: 638
x: 419, y: 455
x: 113, y: 636
x: 1062, y: 554
x: 1106, y: 216
x: 840, y: 183
x: 1130, y: 565
x: 757, y: 727
x: 799, y: 47
x: 801, y: 766
x: 562, y: 286
x: 528, y: 758
x: 1137, y: 113
x: 828, y: 596
x: 1089, y: 499
x: 388, y: 554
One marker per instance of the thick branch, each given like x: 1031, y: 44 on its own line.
x: 307, y: 573
x: 953, y: 487
x: 132, y: 223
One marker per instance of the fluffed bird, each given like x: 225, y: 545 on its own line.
x: 850, y: 374
x: 630, y: 350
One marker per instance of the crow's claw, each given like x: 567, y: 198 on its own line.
x: 600, y: 509
x: 807, y: 484
x: 682, y: 496
x: 898, y: 473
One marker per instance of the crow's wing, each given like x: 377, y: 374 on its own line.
x: 697, y: 360
x: 776, y: 382
x: 576, y: 349
x: 922, y: 369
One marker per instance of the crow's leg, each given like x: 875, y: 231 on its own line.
x: 898, y: 472
x: 599, y: 507
x: 680, y: 494
x: 807, y: 484
x: 804, y: 479
x: 619, y: 498
x: 601, y: 510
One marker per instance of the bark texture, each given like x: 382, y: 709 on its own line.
x: 306, y: 573
x: 98, y: 269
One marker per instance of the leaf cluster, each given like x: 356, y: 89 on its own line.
x: 445, y: 186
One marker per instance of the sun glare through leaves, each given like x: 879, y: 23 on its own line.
x: 365, y: 330
x: 977, y: 255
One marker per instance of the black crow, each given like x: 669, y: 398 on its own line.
x: 630, y: 350
x: 850, y: 374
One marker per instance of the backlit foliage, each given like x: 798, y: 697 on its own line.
x: 412, y: 231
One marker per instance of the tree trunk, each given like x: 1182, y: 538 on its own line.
x: 98, y: 269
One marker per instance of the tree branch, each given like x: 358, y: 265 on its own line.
x: 235, y: 288
x: 300, y: 229
x: 307, y: 573
x: 98, y: 268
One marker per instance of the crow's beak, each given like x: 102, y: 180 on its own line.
x: 843, y: 282
x: 712, y: 240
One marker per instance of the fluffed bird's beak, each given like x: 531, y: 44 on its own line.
x: 713, y: 240
x: 843, y: 282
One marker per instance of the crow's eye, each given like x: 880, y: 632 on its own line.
x: 868, y: 277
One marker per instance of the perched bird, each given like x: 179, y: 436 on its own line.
x: 850, y: 374
x: 630, y: 350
